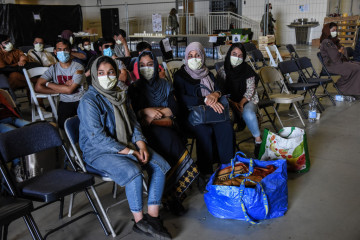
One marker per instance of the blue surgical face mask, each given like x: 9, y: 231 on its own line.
x: 108, y: 52
x: 63, y: 56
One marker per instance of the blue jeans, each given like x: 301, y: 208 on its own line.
x: 11, y: 123
x: 126, y: 171
x: 249, y: 116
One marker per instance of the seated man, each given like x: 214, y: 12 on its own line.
x: 121, y: 47
x: 86, y: 48
x: 40, y: 56
x: 66, y: 78
x: 10, y: 58
x: 77, y: 54
x: 9, y: 120
x: 106, y: 48
x: 134, y: 73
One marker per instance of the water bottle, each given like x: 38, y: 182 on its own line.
x: 349, y: 98
x: 312, y: 110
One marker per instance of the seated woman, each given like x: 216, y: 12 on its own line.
x: 213, y: 141
x: 153, y: 100
x: 335, y: 59
x: 112, y: 142
x: 240, y: 83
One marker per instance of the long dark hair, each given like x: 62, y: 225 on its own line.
x: 325, y: 34
x: 106, y: 59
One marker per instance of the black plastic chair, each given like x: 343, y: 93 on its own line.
x: 292, y: 51
x: 256, y: 57
x: 51, y: 186
x: 290, y: 66
x: 14, y: 208
x: 249, y: 46
x: 325, y: 72
x: 310, y: 75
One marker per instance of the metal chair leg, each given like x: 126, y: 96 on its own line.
x: 297, y: 111
x: 96, y: 212
x: 277, y: 115
x: 107, y: 220
x: 61, y: 214
x: 72, y: 197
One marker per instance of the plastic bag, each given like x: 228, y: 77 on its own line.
x: 290, y: 144
x: 269, y: 199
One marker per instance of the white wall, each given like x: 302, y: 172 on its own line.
x: 284, y: 12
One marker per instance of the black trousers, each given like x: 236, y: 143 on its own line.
x: 65, y: 111
x: 212, y: 137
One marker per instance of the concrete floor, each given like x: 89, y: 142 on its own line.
x: 323, y: 203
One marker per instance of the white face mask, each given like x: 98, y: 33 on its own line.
x: 87, y: 47
x: 9, y: 47
x: 71, y: 40
x: 235, y: 61
x: 147, y: 72
x: 118, y: 42
x: 195, y: 63
x: 107, y: 82
x: 333, y: 34
x: 39, y: 47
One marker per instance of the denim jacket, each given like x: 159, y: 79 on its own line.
x: 97, y: 126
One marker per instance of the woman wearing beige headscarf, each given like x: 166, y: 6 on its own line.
x: 112, y: 142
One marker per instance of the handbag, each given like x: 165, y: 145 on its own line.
x: 204, y: 114
x: 290, y: 144
x: 163, y: 122
x: 254, y: 199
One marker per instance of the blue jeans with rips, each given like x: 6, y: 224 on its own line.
x: 249, y: 116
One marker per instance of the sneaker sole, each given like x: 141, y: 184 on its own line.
x: 151, y: 232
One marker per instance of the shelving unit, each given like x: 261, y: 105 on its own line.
x: 348, y: 29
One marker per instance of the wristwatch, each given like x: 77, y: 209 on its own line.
x: 218, y: 93
x: 47, y: 84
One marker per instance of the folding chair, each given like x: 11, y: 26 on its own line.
x: 38, y: 71
x: 290, y: 67
x: 72, y: 132
x: 269, y: 75
x: 273, y: 62
x: 171, y: 67
x: 325, y: 72
x: 256, y: 57
x: 48, y: 187
x: 292, y: 51
x: 310, y: 76
x: 14, y: 208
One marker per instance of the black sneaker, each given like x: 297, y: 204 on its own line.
x: 156, y: 228
x: 257, y: 150
x: 142, y: 227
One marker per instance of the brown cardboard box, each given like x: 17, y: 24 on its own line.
x: 315, y: 42
x: 266, y: 39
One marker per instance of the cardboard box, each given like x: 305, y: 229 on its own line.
x: 267, y: 39
x: 315, y: 42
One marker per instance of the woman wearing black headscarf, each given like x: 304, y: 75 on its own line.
x: 240, y: 83
x: 153, y: 100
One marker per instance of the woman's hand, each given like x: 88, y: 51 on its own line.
x: 142, y: 155
x: 212, y: 98
x: 242, y: 103
x: 152, y: 113
x: 166, y: 112
x: 218, y: 107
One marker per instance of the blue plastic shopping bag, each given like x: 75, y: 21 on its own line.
x: 269, y: 199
